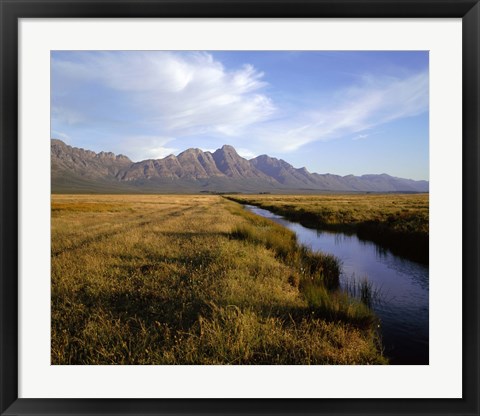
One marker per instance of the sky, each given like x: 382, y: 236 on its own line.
x: 339, y: 112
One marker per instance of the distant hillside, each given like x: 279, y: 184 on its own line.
x: 79, y: 170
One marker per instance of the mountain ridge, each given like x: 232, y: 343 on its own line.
x: 194, y: 170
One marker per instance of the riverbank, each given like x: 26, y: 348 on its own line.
x: 194, y: 280
x: 398, y: 222
x: 394, y: 287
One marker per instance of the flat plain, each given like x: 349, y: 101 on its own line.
x: 194, y: 279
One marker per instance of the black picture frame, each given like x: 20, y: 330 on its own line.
x: 12, y: 10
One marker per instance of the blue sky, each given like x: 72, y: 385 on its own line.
x: 341, y: 112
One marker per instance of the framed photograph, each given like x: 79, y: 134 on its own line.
x: 239, y: 208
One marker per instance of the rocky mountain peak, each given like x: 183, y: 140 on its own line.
x: 192, y: 151
x: 229, y: 149
x: 123, y: 158
x: 231, y: 164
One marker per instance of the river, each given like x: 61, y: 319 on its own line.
x: 402, y: 302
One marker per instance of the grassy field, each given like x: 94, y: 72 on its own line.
x: 396, y: 221
x: 194, y: 280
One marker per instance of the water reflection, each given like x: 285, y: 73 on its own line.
x: 403, y: 285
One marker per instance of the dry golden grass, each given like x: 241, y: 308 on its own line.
x: 165, y: 280
x: 401, y: 211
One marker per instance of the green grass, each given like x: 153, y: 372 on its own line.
x: 152, y: 279
x: 395, y: 221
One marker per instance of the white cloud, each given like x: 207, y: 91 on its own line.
x: 140, y: 148
x: 171, y: 93
x: 355, y: 110
x: 246, y: 153
x: 161, y: 152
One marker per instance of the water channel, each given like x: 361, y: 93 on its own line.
x: 402, y: 303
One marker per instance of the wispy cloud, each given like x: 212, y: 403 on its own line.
x: 146, y: 147
x: 164, y: 92
x: 246, y: 153
x: 354, y: 110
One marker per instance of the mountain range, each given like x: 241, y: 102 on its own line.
x: 78, y: 170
